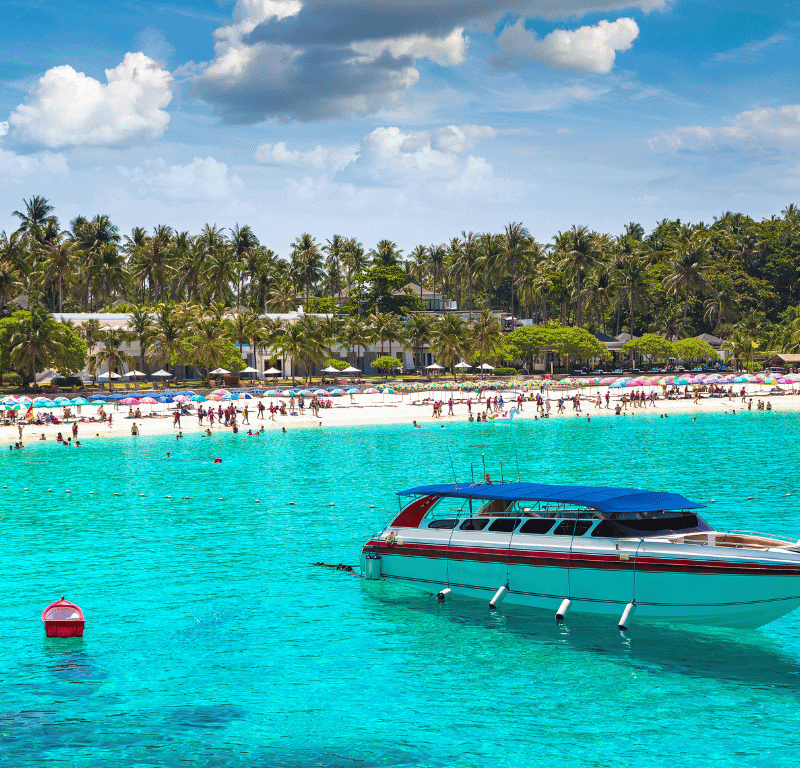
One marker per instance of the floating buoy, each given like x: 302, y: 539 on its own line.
x: 67, y: 491
x: 563, y: 608
x: 141, y: 494
x: 713, y: 501
x: 443, y: 594
x: 116, y: 494
x: 256, y: 501
x: 630, y: 609
x: 749, y: 497
x: 218, y: 461
x: 63, y: 619
x: 499, y: 596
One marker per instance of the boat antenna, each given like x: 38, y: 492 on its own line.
x: 483, y: 462
x: 501, y: 472
x: 514, y: 441
x: 472, y: 472
x: 452, y: 466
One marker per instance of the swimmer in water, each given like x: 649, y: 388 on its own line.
x: 169, y: 455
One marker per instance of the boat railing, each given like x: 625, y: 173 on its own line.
x: 761, y: 535
x: 737, y: 539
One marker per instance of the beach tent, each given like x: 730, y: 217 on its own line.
x: 330, y: 369
x: 108, y: 375
x: 162, y: 374
x: 463, y: 365
x: 133, y: 375
x: 434, y: 367
x: 249, y: 369
x: 218, y: 372
x: 272, y: 372
x: 350, y: 369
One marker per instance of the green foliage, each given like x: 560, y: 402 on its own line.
x: 651, y: 345
x: 693, y: 349
x: 376, y: 288
x: 577, y: 343
x: 505, y: 371
x: 321, y: 305
x: 71, y: 358
x: 386, y: 364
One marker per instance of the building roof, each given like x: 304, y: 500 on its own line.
x: 599, y: 497
x: 604, y: 337
x: 415, y: 289
x: 623, y: 337
x: 787, y: 358
x: 714, y: 341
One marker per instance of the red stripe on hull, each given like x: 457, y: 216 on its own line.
x: 578, y: 560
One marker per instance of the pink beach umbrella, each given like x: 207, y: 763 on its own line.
x: 148, y: 401
x: 371, y: 391
x: 129, y: 401
x: 181, y: 398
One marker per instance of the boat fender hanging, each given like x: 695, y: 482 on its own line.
x: 627, y: 614
x: 563, y: 608
x: 443, y: 594
x: 499, y: 596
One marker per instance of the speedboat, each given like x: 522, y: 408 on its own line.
x: 581, y: 549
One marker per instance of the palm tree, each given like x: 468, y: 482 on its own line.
x: 107, y: 271
x: 243, y: 241
x: 283, y: 298
x: 577, y: 254
x: 35, y: 218
x: 9, y: 283
x: 487, y: 335
x: 687, y: 271
x: 34, y: 341
x: 490, y: 258
x: 449, y: 341
x: 354, y: 259
x: 418, y: 329
x: 385, y: 254
x: 141, y: 326
x: 516, y: 239
x: 436, y: 260
x: 60, y: 257
x: 288, y: 342
x: 467, y: 260
x: 241, y: 328
x: 208, y: 339
x: 630, y: 279
x: 353, y: 334
x: 748, y: 335
x: 111, y: 353
x: 168, y: 334
x: 308, y: 262
x: 381, y: 323
x: 335, y: 248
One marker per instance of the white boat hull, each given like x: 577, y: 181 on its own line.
x: 667, y: 582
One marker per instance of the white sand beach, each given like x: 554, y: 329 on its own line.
x: 360, y: 410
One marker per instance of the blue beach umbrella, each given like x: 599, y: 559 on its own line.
x: 256, y: 392
x: 165, y: 399
x: 97, y: 397
x: 61, y: 401
x: 79, y: 401
x: 197, y: 399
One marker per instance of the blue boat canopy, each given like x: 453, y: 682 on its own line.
x: 602, y: 499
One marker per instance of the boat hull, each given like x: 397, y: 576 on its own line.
x: 672, y: 583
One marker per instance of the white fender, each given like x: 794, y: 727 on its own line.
x: 627, y: 614
x: 564, y: 607
x: 499, y: 596
x: 443, y: 594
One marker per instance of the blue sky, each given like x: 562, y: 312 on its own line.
x: 403, y: 119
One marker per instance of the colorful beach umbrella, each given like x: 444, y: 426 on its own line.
x: 197, y: 399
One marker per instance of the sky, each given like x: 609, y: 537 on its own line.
x: 408, y: 120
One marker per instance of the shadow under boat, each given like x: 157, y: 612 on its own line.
x: 749, y: 657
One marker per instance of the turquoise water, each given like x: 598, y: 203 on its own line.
x: 212, y: 641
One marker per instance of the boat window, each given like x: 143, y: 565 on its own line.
x: 572, y: 527
x: 443, y: 523
x: 474, y: 524
x: 662, y: 522
x: 606, y: 530
x: 495, y: 508
x: 538, y: 525
x: 447, y: 507
x: 504, y: 525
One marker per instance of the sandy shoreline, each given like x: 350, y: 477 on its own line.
x: 372, y: 410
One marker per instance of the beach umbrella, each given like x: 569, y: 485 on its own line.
x: 256, y: 391
x: 220, y: 392
x: 61, y: 401
x: 388, y: 391
x: 162, y: 374
x: 148, y: 401
x: 616, y: 385
x: 133, y: 375
x: 118, y: 396
x: 271, y: 393
x: 79, y: 401
x: 354, y: 391
x: 607, y: 380
x: 329, y: 369
x: 350, y: 369
x: 273, y: 372
x: 215, y: 397
x: 434, y: 367
x: 197, y: 399
x: 369, y: 391
x: 108, y: 375
x: 249, y: 369
x: 12, y: 406
x: 97, y: 397
x: 177, y: 399
x: 463, y: 365
x: 130, y: 401
x: 188, y: 392
x: 164, y: 399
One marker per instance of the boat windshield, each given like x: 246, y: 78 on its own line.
x: 448, y: 511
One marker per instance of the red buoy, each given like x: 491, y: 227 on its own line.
x: 218, y: 461
x: 63, y: 619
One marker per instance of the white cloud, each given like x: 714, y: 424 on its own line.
x: 68, y: 108
x: 390, y: 157
x: 447, y: 51
x: 751, y: 52
x: 764, y: 130
x: 13, y: 164
x: 280, y: 155
x: 202, y: 179
x: 586, y: 49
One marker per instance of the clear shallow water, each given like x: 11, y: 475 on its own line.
x: 211, y: 641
